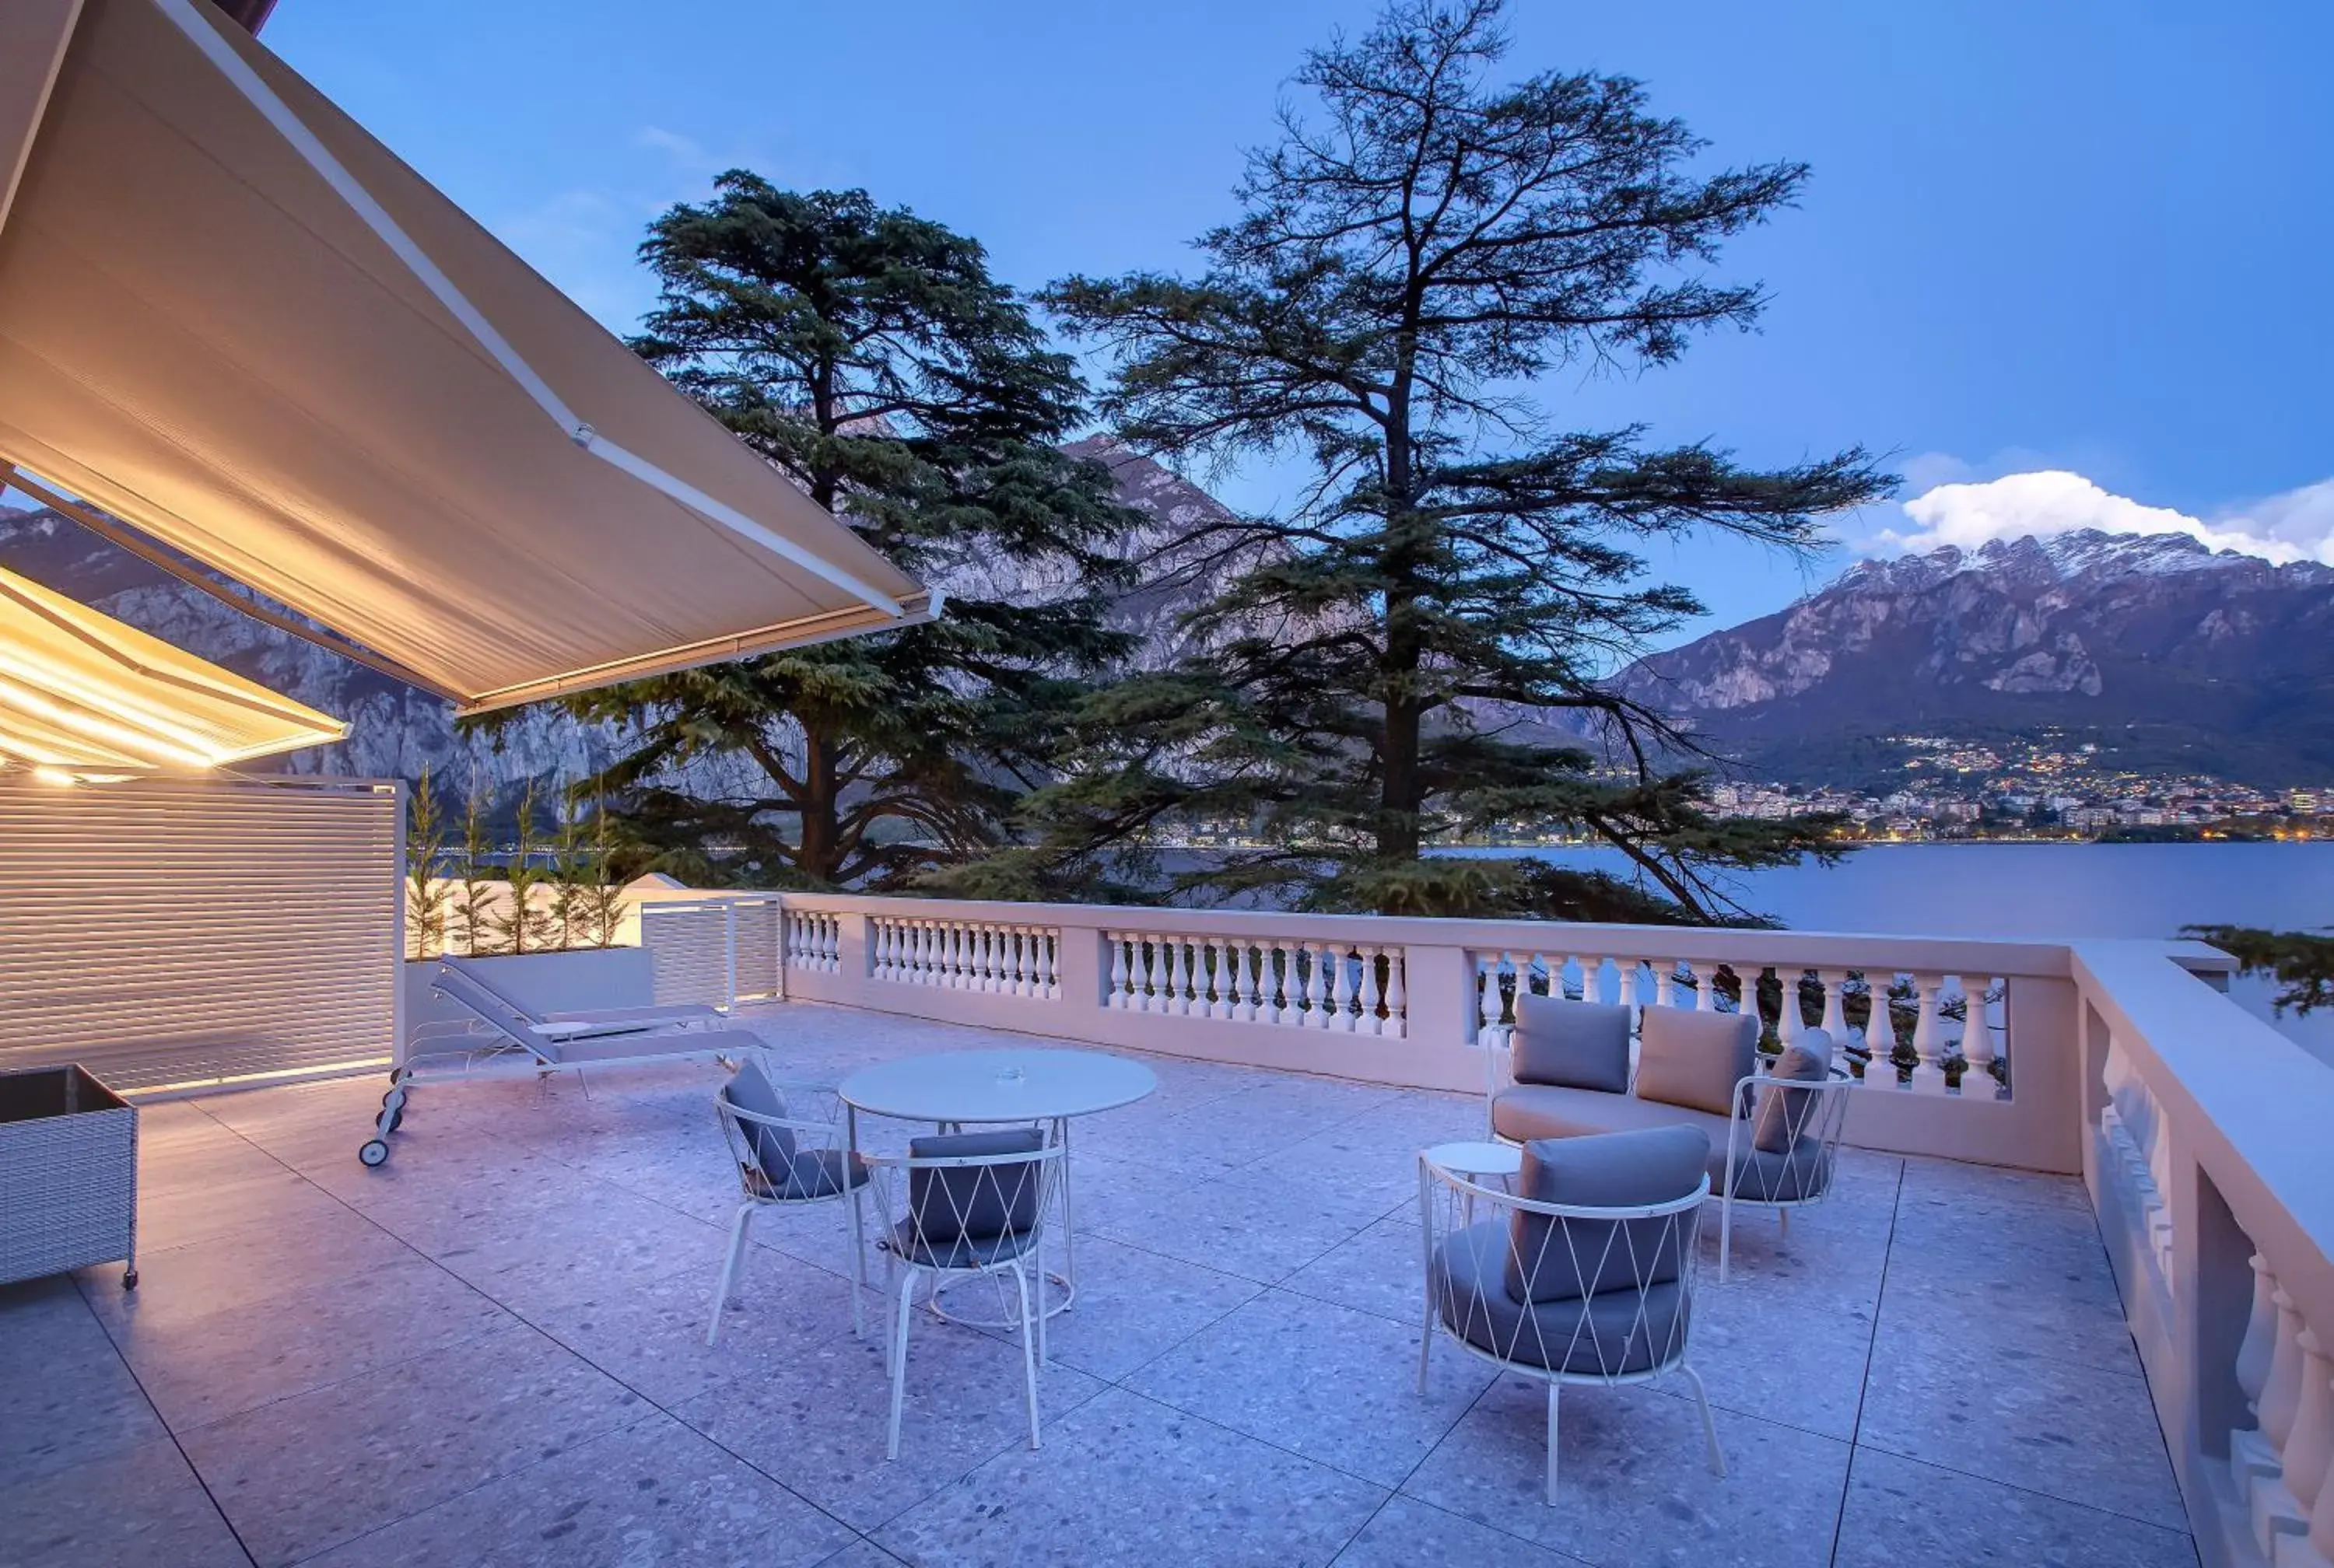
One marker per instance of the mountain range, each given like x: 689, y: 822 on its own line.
x: 2166, y: 655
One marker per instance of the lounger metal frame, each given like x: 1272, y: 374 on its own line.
x: 501, y: 1039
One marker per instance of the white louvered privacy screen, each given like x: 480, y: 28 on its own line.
x: 183, y: 931
x: 720, y: 950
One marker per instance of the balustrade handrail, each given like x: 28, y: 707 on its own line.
x: 1711, y: 944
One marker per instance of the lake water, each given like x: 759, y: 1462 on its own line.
x: 2053, y: 891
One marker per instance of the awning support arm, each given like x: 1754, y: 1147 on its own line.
x: 277, y: 114
x: 13, y: 478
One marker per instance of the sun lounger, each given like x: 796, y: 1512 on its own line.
x: 503, y: 1038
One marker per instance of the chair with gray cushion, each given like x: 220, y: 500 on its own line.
x: 1584, y: 1274
x: 1772, y: 1147
x: 790, y: 1148
x: 977, y: 1205
x: 1781, y: 1153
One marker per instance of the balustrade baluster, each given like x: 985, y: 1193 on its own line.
x: 1977, y: 1044
x: 1789, y: 1024
x: 1118, y: 989
x: 1369, y: 1023
x: 1547, y: 967
x: 1219, y: 985
x: 1397, y: 997
x: 1628, y: 972
x: 1173, y: 999
x: 2311, y: 1447
x: 1341, y: 989
x: 1244, y: 987
x: 1144, y: 956
x: 1835, y: 1011
x: 1316, y: 984
x: 1705, y: 987
x: 1487, y: 998
x: 2261, y: 1336
x: 2281, y: 1392
x: 1928, y: 1027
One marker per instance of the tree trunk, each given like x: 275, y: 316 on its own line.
x: 820, y: 856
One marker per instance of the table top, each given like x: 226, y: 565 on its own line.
x: 1478, y: 1159
x: 1019, y: 1085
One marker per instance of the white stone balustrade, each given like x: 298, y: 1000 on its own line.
x: 1339, y: 987
x: 1017, y: 960
x: 1500, y: 975
x: 2280, y: 1466
x: 813, y: 941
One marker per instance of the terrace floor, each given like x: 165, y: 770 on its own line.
x: 492, y: 1350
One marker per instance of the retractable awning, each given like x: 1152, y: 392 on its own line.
x: 83, y: 696
x: 233, y: 319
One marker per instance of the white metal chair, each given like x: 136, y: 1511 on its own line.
x: 1570, y: 1293
x: 791, y: 1147
x: 977, y: 1204
x: 1784, y: 1152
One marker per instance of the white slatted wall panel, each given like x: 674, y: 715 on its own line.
x: 688, y: 951
x: 181, y: 931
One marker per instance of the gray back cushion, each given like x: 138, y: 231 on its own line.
x: 974, y: 1202
x: 1554, y: 1259
x: 1696, y: 1059
x: 749, y: 1089
x: 1785, y: 1114
x: 1570, y: 1044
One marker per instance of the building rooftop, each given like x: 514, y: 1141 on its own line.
x: 493, y: 1349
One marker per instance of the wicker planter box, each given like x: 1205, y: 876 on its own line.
x: 68, y: 1175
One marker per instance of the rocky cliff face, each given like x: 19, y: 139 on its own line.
x: 2156, y: 647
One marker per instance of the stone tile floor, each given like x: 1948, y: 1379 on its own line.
x: 492, y: 1351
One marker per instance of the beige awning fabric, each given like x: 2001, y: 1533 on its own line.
x: 232, y: 319
x: 83, y: 696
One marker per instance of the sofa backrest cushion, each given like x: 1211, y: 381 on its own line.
x: 1560, y: 1257
x: 1570, y: 1044
x: 1696, y: 1059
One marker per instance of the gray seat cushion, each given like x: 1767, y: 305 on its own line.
x: 1616, y: 1332
x: 1785, y: 1114
x: 1570, y: 1044
x: 970, y: 1215
x: 1791, y: 1175
x: 1696, y: 1059
x: 1555, y: 1257
x: 1529, y: 1111
x: 812, y: 1173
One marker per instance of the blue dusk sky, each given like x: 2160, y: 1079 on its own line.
x: 2060, y: 264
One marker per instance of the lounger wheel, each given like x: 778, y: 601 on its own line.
x: 374, y: 1154
x: 396, y: 1120
x: 129, y: 1280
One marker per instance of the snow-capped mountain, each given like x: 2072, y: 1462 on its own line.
x: 2156, y: 647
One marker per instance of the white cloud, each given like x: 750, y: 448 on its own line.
x: 2294, y: 525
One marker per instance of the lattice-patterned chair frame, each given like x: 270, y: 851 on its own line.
x: 973, y: 1205
x: 1807, y: 1117
x: 1632, y: 1325
x: 797, y: 1155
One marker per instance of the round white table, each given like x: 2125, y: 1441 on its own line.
x: 961, y: 1087
x: 957, y: 1088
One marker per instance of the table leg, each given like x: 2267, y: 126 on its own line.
x: 1069, y: 1232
